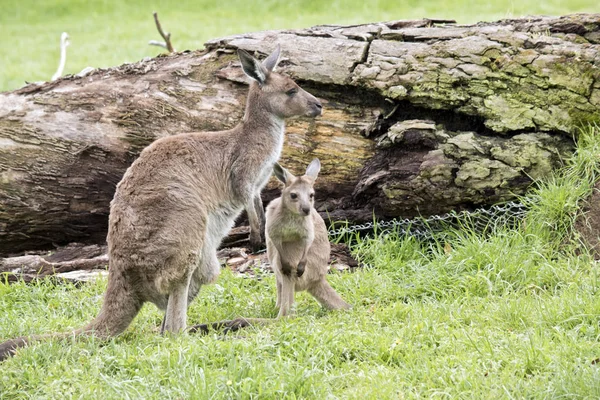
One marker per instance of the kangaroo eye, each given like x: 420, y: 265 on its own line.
x: 294, y: 196
x: 292, y: 91
x: 312, y: 195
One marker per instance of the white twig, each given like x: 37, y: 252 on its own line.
x: 157, y: 43
x: 64, y: 42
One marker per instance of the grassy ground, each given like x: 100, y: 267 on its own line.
x: 106, y: 33
x: 512, y: 315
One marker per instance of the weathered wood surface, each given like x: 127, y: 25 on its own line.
x: 73, y: 258
x: 419, y: 117
x: 80, y: 263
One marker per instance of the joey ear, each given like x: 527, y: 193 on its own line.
x: 312, y: 171
x: 252, y: 67
x: 270, y: 63
x: 282, y: 174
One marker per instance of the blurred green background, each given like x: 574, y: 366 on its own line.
x: 106, y: 33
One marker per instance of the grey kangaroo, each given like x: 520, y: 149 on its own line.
x: 178, y: 200
x: 297, y: 242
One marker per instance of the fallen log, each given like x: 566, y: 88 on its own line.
x: 60, y: 263
x: 421, y: 117
x: 81, y: 263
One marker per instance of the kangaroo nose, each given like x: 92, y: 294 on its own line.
x: 306, y: 210
x: 316, y: 108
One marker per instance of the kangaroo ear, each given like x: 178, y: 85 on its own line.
x: 270, y: 63
x: 252, y: 67
x: 312, y: 171
x: 282, y: 174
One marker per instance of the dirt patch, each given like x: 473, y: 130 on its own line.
x: 588, y: 225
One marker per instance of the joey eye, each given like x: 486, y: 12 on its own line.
x: 293, y: 196
x: 292, y: 91
x: 312, y: 195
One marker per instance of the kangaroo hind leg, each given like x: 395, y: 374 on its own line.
x: 208, y: 266
x: 176, y: 314
x: 178, y: 271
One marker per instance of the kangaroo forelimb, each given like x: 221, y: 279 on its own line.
x: 303, y: 260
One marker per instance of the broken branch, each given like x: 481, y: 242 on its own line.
x: 166, y: 36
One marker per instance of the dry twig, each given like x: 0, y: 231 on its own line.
x: 166, y: 36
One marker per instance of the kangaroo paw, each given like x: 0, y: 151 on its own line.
x: 286, y: 269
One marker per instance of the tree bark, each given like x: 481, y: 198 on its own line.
x: 420, y: 117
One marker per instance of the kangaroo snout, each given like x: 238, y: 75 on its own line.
x: 305, y: 211
x: 316, y: 109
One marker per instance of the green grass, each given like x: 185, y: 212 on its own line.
x: 510, y: 315
x: 106, y: 33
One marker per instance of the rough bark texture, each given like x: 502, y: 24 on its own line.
x: 419, y: 117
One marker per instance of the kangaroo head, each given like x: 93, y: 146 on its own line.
x: 298, y: 195
x: 277, y: 93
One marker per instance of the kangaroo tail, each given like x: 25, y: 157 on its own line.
x: 121, y: 305
x: 232, y: 325
x: 327, y: 296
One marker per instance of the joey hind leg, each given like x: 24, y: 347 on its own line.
x: 288, y: 288
x: 327, y: 296
x: 278, y: 303
x: 279, y: 279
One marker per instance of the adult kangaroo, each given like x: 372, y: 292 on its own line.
x: 179, y: 199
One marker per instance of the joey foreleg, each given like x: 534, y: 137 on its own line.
x: 303, y: 259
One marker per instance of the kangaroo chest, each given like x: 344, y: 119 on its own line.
x: 291, y: 230
x: 292, y: 234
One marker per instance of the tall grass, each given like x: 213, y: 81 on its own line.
x: 556, y: 202
x: 542, y: 253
